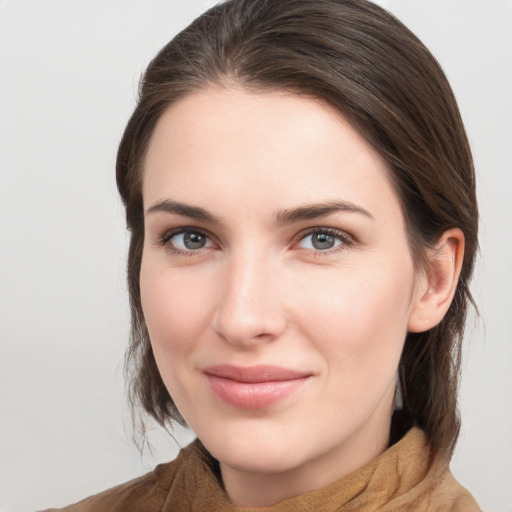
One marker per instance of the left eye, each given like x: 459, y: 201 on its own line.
x: 321, y: 241
x: 189, y: 241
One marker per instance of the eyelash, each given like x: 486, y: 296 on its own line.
x: 346, y: 240
x: 164, y: 240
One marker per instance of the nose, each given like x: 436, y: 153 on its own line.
x: 249, y: 308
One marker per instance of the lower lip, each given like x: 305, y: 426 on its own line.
x: 253, y: 395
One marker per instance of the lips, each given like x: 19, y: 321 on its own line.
x: 254, y: 387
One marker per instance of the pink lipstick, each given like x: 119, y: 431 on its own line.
x: 253, y: 387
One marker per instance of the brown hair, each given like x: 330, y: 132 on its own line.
x: 364, y: 62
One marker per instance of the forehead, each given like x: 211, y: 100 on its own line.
x: 246, y: 146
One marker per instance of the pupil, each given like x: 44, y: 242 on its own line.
x: 323, y: 241
x: 194, y: 240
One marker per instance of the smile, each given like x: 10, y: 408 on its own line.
x: 253, y: 387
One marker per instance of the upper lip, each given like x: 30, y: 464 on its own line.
x: 253, y: 374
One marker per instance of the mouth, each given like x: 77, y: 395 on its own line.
x: 254, y: 387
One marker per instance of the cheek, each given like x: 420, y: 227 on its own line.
x: 359, y: 320
x: 175, y: 307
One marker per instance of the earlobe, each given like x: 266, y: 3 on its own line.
x: 438, y: 282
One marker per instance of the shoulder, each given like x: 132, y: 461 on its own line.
x: 450, y: 496
x: 415, y: 479
x: 438, y: 489
x: 147, y: 493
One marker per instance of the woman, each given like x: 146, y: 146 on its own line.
x: 300, y: 194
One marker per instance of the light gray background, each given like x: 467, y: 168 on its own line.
x: 68, y: 75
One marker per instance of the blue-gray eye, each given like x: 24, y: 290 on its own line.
x: 320, y: 241
x: 190, y: 241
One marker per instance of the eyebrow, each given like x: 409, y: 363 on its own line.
x: 194, y: 212
x: 315, y: 211
x: 282, y: 218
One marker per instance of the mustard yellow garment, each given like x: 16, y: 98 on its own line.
x: 401, y: 479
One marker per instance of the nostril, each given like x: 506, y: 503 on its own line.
x: 247, y: 326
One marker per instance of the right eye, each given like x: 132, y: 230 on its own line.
x: 186, y: 241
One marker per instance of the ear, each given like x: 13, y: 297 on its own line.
x: 438, y: 281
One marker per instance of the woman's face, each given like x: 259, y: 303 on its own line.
x: 277, y: 283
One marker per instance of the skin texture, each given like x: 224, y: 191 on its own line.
x: 260, y: 292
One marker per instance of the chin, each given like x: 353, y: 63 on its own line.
x: 255, y: 453
x: 259, y: 460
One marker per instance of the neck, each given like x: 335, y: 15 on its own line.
x: 260, y: 489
